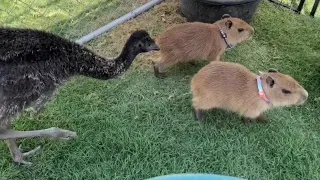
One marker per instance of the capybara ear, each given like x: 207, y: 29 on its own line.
x: 270, y: 81
x: 229, y: 24
x: 272, y: 70
x: 225, y: 16
x: 261, y: 73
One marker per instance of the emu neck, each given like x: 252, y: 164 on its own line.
x: 101, y: 68
x: 127, y: 55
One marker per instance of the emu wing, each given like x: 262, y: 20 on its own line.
x: 17, y: 92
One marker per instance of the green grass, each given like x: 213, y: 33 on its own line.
x: 138, y: 126
x: 68, y: 18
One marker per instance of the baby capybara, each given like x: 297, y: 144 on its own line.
x: 233, y: 87
x: 193, y: 41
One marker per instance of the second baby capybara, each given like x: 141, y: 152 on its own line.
x: 193, y: 41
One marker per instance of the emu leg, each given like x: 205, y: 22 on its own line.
x: 53, y: 132
x: 17, y: 155
x: 10, y: 137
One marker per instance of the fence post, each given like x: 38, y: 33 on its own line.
x: 314, y: 8
x: 300, y: 6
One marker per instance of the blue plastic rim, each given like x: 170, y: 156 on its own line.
x: 195, y: 177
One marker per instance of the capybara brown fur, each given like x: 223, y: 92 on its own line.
x: 231, y: 86
x: 193, y: 41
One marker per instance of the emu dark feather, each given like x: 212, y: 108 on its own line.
x: 34, y: 63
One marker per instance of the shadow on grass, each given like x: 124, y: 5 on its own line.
x: 313, y: 82
x: 221, y: 118
x: 183, y: 70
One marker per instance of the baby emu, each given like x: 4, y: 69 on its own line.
x: 233, y: 87
x: 33, y: 64
x: 193, y: 41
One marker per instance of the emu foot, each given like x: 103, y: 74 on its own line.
x: 61, y: 134
x: 18, y: 156
x: 198, y: 114
x: 10, y: 137
x: 16, y: 152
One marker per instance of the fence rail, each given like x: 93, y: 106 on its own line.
x: 299, y: 6
x: 75, y: 18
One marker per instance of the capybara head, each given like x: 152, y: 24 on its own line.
x: 282, y: 90
x: 237, y: 30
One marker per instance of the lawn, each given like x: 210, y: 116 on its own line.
x: 138, y: 126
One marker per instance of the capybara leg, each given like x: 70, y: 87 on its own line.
x: 262, y: 119
x: 214, y: 57
x: 252, y: 116
x: 247, y: 120
x: 160, y: 68
x: 198, y: 114
x: 157, y: 72
x: 217, y: 58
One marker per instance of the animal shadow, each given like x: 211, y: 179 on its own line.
x: 221, y: 119
x: 186, y: 69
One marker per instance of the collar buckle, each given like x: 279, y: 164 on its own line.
x: 261, y: 93
x: 224, y: 36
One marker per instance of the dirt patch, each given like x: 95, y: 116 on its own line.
x: 154, y: 21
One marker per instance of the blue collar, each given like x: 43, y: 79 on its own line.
x: 224, y: 36
x: 260, y: 89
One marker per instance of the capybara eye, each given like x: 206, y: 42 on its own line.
x: 240, y: 29
x: 286, y: 91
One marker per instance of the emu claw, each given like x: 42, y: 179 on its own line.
x: 19, y: 156
x: 22, y: 162
x: 31, y: 152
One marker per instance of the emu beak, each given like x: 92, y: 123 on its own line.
x: 153, y: 47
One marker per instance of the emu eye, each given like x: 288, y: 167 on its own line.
x: 286, y: 91
x: 240, y: 29
x: 140, y: 45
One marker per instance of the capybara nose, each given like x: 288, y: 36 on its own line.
x: 304, y: 97
x: 252, y: 31
x: 305, y: 94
